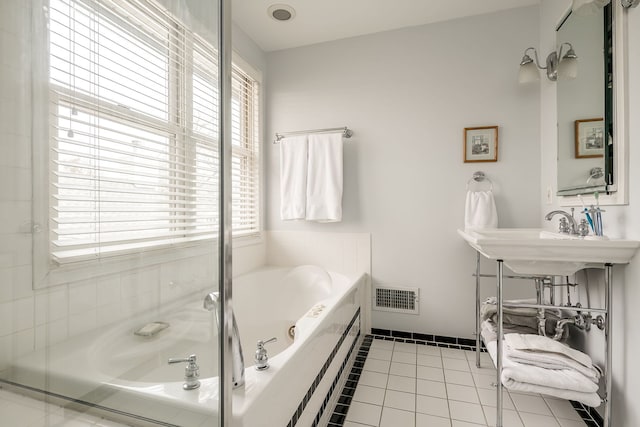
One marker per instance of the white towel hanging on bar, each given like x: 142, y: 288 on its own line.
x: 324, y: 178
x: 293, y: 177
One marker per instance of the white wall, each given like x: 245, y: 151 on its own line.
x: 408, y: 95
x: 621, y: 221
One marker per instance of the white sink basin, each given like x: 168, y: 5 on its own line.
x: 536, y: 251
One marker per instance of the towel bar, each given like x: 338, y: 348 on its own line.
x: 346, y: 132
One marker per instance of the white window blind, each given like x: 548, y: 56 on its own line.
x: 134, y: 122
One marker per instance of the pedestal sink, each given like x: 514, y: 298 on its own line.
x: 536, y: 251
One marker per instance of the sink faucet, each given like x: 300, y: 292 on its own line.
x: 211, y: 303
x: 572, y: 226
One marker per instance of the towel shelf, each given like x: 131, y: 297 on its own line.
x: 608, y: 279
x: 346, y: 132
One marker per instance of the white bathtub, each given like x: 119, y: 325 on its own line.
x: 120, y: 371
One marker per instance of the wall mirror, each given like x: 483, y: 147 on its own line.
x: 583, y: 142
x: 590, y: 113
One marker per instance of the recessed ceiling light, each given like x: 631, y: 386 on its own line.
x: 281, y: 12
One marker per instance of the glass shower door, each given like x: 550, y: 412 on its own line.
x: 117, y: 114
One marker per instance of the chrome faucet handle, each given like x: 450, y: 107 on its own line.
x: 190, y: 360
x: 261, y: 343
x: 583, y: 228
x: 261, y: 357
x: 563, y: 226
x: 191, y: 371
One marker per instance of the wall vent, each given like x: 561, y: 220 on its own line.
x: 398, y: 300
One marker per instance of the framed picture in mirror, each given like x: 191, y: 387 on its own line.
x: 589, y: 138
x: 481, y: 144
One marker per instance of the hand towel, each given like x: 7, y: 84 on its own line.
x: 480, y: 210
x: 293, y: 177
x: 324, y: 178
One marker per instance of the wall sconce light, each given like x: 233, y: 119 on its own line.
x: 557, y: 65
x: 630, y: 3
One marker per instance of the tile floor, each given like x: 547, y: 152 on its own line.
x: 413, y: 385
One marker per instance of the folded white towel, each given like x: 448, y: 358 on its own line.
x: 293, y: 177
x: 324, y: 178
x: 480, y: 210
x: 489, y: 308
x: 551, y: 361
x: 521, y: 316
x: 489, y: 330
x: 538, y: 344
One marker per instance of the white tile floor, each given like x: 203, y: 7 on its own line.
x: 410, y: 385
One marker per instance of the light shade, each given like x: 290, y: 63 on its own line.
x: 568, y: 65
x: 528, y: 73
x: 568, y: 68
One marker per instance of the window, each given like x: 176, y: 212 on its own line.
x: 133, y: 132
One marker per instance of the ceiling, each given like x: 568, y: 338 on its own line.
x: 318, y: 21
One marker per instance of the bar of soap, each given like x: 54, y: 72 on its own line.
x: 150, y: 329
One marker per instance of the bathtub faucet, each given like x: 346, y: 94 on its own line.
x: 191, y: 372
x: 261, y: 357
x: 211, y: 303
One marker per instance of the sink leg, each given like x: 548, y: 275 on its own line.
x: 499, y: 348
x: 478, y: 309
x: 608, y: 293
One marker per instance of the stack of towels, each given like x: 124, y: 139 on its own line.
x: 537, y: 364
x: 520, y: 319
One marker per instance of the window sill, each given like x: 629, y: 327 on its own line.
x: 84, y: 270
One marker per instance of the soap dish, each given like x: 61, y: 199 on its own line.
x: 151, y: 329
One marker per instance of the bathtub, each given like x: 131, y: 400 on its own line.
x: 314, y: 315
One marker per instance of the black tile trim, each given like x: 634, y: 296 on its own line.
x: 429, y: 339
x: 342, y: 406
x: 305, y: 400
x: 589, y: 415
x: 338, y: 417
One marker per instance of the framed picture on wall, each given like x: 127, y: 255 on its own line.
x: 481, y: 144
x: 589, y: 135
